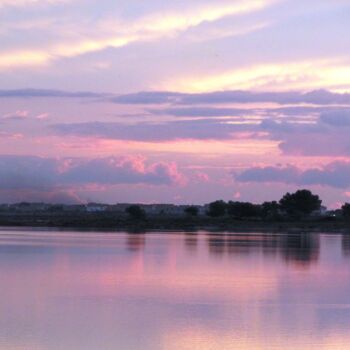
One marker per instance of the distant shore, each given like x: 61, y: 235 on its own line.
x: 183, y: 223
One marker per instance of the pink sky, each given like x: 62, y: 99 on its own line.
x: 183, y: 102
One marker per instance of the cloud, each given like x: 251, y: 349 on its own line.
x: 18, y: 115
x: 204, y: 129
x: 304, y: 134
x: 42, y: 116
x: 314, y: 97
x: 122, y: 170
x: 32, y: 93
x: 336, y: 174
x: 9, y: 135
x: 304, y: 123
x: 201, y: 176
x: 30, y: 173
x: 303, y: 75
x: 318, y: 97
x: 49, y: 196
x: 327, y: 135
x: 200, y: 112
x: 148, y: 97
x: 22, y: 3
x: 338, y: 118
x: 50, y: 177
x: 118, y: 33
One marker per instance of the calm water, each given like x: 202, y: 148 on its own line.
x: 108, y: 291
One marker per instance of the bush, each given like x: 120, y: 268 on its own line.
x: 136, y: 212
x: 243, y: 210
x: 270, y: 209
x: 217, y: 208
x: 191, y: 211
x: 345, y: 209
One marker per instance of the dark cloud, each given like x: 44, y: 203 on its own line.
x: 299, y: 111
x: 122, y: 170
x: 27, y: 93
x: 204, y: 129
x: 154, y: 97
x: 290, y: 112
x: 336, y: 174
x: 317, y: 144
x: 200, y: 112
x: 49, y: 196
x: 30, y: 173
x: 287, y: 174
x: 300, y: 130
x: 318, y: 97
x: 338, y: 118
x: 324, y: 135
x: 34, y: 177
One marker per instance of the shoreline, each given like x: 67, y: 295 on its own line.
x: 190, y: 224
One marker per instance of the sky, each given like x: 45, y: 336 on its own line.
x: 183, y: 101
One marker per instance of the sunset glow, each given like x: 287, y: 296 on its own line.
x: 255, y: 94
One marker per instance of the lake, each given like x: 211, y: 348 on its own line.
x: 173, y: 291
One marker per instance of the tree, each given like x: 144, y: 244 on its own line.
x: 243, y: 209
x: 191, y: 211
x: 345, y: 209
x: 136, y: 212
x: 217, y: 208
x: 270, y: 209
x: 300, y: 202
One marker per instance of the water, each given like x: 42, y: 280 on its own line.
x: 173, y: 291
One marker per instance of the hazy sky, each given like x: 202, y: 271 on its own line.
x: 181, y: 101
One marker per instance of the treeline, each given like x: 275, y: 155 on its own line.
x: 301, y: 204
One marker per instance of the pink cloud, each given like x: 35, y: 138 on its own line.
x: 237, y: 195
x: 5, y: 134
x: 42, y: 116
x: 20, y: 114
x: 201, y: 177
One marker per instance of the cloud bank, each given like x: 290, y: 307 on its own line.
x: 336, y: 174
x: 45, y: 178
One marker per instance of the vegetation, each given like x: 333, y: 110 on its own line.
x: 270, y: 210
x: 217, y: 208
x: 301, y: 202
x: 192, y: 210
x: 301, y: 209
x: 136, y: 212
x: 346, y: 210
x: 243, y: 209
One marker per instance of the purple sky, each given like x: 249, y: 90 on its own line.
x: 178, y: 101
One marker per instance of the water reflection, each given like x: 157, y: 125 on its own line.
x: 165, y: 291
x: 346, y: 244
x: 191, y: 241
x: 300, y: 248
x: 136, y: 241
x: 217, y: 243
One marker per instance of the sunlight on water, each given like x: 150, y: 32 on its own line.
x: 173, y: 291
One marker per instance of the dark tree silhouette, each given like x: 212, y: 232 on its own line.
x: 243, y: 210
x: 136, y: 212
x: 345, y: 209
x: 300, y: 202
x: 270, y: 209
x: 217, y: 208
x: 191, y: 211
